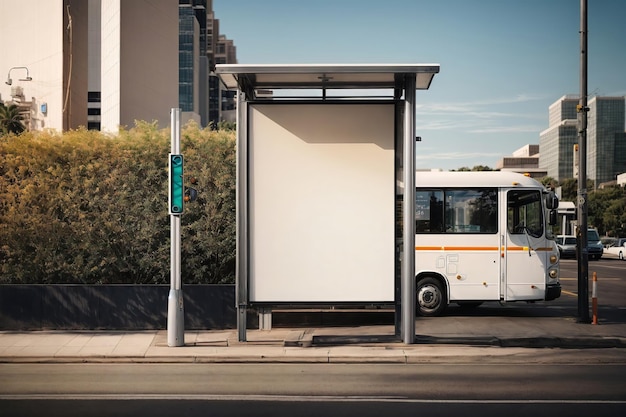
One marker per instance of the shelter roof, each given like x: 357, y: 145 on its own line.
x: 252, y: 78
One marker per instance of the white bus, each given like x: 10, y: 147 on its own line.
x: 483, y: 236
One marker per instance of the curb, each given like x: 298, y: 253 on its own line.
x: 523, y: 342
x: 306, y: 347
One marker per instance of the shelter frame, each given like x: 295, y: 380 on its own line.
x: 309, y: 86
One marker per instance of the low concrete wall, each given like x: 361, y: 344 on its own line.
x: 119, y: 307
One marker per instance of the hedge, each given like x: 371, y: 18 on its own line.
x: 85, y: 207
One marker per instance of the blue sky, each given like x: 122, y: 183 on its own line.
x: 503, y: 62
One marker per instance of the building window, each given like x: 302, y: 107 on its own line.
x: 93, y: 97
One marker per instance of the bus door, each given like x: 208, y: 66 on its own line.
x: 524, y: 248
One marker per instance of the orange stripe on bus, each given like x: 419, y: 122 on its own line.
x: 479, y: 248
x: 459, y: 248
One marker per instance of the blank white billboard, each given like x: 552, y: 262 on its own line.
x: 321, y: 202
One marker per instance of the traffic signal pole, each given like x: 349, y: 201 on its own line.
x: 581, y: 234
x: 175, y: 310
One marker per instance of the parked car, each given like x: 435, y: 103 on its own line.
x: 594, y: 245
x: 566, y: 245
x: 617, y: 249
x: 607, y: 241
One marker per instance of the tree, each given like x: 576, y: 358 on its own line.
x: 549, y: 182
x: 606, y: 210
x: 475, y: 168
x: 226, y: 125
x: 482, y: 168
x: 615, y: 217
x: 569, y: 189
x: 11, y: 120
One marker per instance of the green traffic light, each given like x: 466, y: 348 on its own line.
x: 177, y: 189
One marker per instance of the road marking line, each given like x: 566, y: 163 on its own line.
x: 291, y: 398
x: 599, y: 279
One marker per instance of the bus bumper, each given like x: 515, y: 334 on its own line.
x: 553, y: 291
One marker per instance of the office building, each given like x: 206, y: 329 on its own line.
x: 606, y: 139
x: 556, y: 143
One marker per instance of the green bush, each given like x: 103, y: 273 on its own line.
x: 84, y: 207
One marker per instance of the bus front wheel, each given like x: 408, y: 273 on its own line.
x: 431, y: 298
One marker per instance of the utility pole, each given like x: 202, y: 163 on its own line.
x: 581, y: 234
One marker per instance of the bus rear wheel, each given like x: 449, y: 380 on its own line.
x: 431, y: 298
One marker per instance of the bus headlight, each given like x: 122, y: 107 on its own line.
x: 553, y: 273
x: 553, y: 259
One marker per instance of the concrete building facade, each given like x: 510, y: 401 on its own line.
x: 44, y: 56
x: 524, y: 160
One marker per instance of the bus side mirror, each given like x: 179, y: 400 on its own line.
x: 552, y: 201
x: 552, y: 219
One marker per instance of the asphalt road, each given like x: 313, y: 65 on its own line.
x: 611, y: 286
x: 572, y: 389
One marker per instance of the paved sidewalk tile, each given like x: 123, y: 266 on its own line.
x: 134, y: 344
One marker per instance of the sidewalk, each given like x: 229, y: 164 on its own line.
x: 451, y: 339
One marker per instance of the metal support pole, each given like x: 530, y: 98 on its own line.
x: 408, y: 214
x: 175, y: 309
x: 581, y: 246
x: 265, y: 318
x: 241, y: 273
x: 397, y: 284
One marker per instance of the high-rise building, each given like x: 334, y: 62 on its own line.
x: 105, y: 63
x: 201, y: 47
x: 139, y: 62
x: 606, y: 139
x: 220, y: 50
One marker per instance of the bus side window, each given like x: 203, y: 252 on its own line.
x: 471, y: 210
x: 429, y: 211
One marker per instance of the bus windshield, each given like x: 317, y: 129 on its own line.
x: 525, y: 212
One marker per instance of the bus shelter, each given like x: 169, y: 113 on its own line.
x: 325, y: 154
